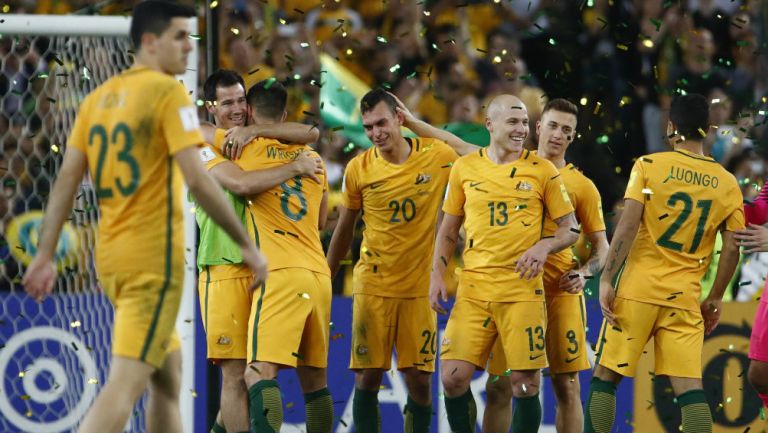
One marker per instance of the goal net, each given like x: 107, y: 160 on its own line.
x: 54, y: 356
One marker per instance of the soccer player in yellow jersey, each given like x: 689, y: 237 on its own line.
x: 290, y: 314
x: 675, y: 204
x: 128, y: 134
x: 501, y: 194
x: 565, y: 338
x: 223, y: 282
x: 398, y: 185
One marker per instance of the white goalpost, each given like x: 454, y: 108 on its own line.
x: 54, y: 356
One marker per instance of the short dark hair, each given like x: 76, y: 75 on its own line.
x: 268, y: 98
x: 154, y: 16
x: 372, y: 98
x: 220, y: 78
x: 562, y: 105
x: 690, y: 116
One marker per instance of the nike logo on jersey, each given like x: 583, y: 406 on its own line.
x: 376, y: 185
x: 570, y: 360
x: 531, y: 357
x: 475, y: 186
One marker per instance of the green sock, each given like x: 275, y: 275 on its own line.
x: 417, y: 417
x: 696, y: 415
x: 462, y: 412
x: 601, y: 407
x: 319, y: 411
x: 218, y: 428
x: 365, y: 411
x: 527, y: 415
x: 266, y: 407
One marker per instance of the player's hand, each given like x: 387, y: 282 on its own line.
x: 607, y: 299
x: 401, y: 108
x: 309, y: 166
x: 710, y: 311
x: 236, y: 140
x: 754, y: 238
x: 531, y: 263
x: 572, y: 281
x: 258, y: 264
x: 39, y: 278
x: 437, y: 292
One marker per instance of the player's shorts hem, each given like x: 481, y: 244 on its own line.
x: 451, y: 358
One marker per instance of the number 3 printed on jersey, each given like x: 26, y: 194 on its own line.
x: 121, y: 134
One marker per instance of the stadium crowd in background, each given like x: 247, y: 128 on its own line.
x: 620, y: 61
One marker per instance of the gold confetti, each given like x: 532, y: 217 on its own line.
x: 304, y: 295
x: 647, y: 191
x: 93, y: 381
x: 193, y: 392
x: 214, y: 3
x: 75, y: 324
x: 55, y: 148
x: 25, y: 397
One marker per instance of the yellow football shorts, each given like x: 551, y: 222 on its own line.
x: 146, y: 306
x: 381, y: 323
x: 566, y: 337
x: 225, y: 306
x: 290, y: 319
x: 678, y: 337
x: 474, y: 327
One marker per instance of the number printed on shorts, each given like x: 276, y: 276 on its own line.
x: 430, y: 344
x: 571, y: 336
x: 406, y: 209
x: 666, y: 238
x: 539, y: 331
x: 121, y: 134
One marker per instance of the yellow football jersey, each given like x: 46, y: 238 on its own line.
x: 589, y: 212
x: 687, y: 199
x: 504, y: 206
x: 130, y: 127
x: 284, y: 218
x: 400, y: 203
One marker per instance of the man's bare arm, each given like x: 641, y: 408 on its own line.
x: 445, y: 245
x: 424, y: 129
x: 41, y: 273
x: 245, y: 183
x: 342, y: 237
x: 209, y: 132
x: 323, y: 216
x: 623, y: 238
x: 597, y: 255
x: 729, y: 259
x: 290, y: 132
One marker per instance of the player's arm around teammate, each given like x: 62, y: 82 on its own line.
x: 210, y: 197
x: 424, y: 129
